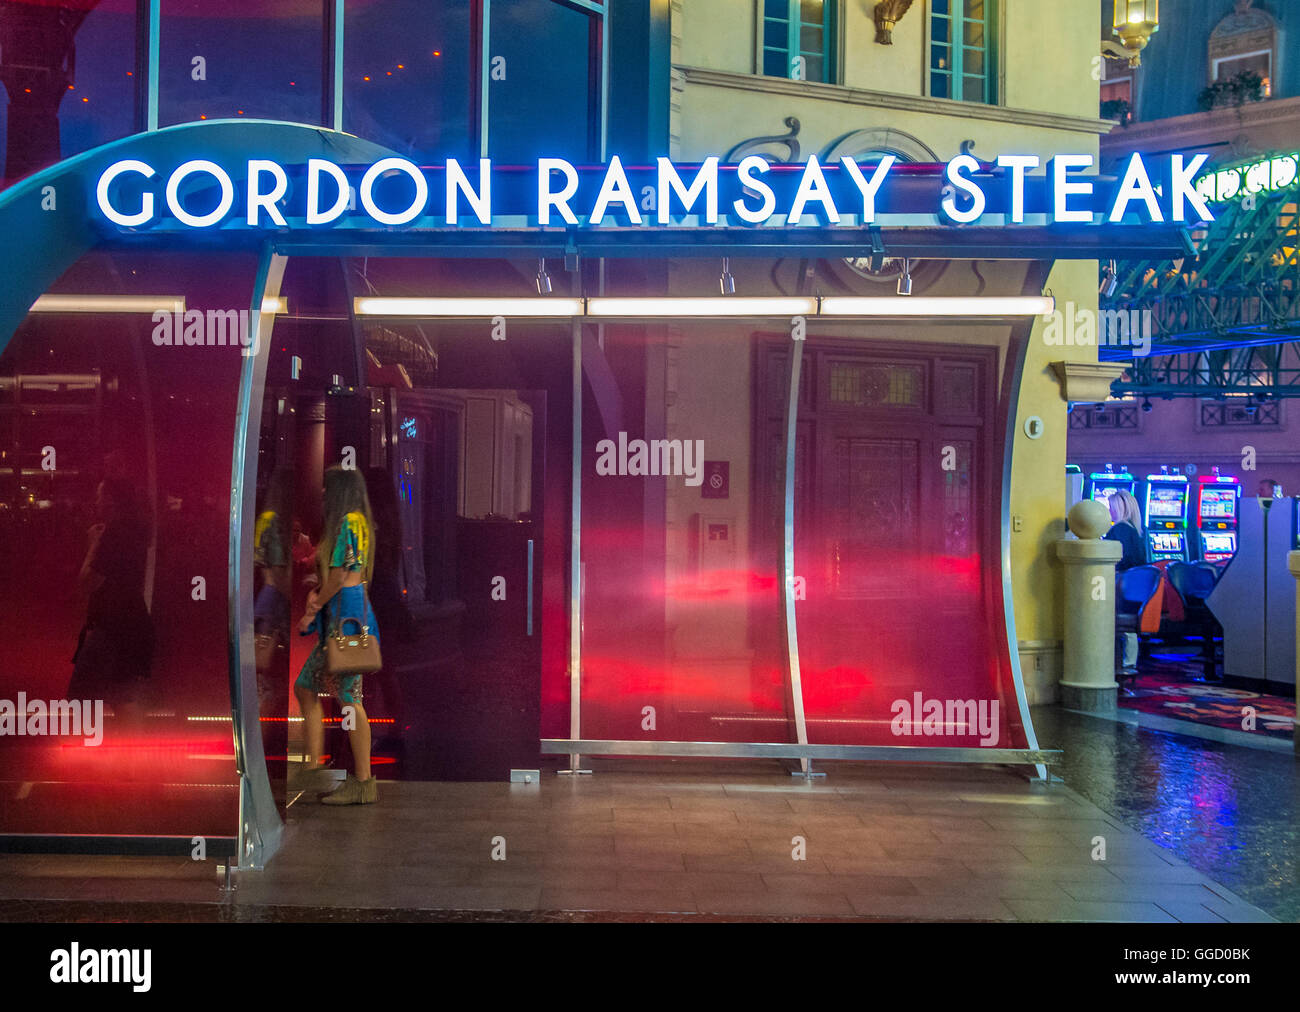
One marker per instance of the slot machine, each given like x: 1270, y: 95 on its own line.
x: 1217, y: 501
x: 1164, y: 514
x: 1101, y: 485
x: 1073, y: 485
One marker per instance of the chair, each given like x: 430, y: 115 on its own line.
x: 1134, y: 589
x: 1194, y: 582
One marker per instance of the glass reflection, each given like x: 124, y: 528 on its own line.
x: 259, y: 59
x: 115, y: 495
x: 68, y: 71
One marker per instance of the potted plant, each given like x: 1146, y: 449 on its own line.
x: 1235, y: 91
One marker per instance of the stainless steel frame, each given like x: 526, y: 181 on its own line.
x: 775, y: 750
x: 260, y: 827
x: 787, y: 557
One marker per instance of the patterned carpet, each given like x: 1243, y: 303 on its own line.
x: 1171, y: 684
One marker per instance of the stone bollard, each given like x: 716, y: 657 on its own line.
x: 1088, y: 680
x: 1293, y: 564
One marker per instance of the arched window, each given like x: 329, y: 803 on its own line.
x: 1244, y: 42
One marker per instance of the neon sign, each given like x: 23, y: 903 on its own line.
x: 395, y: 192
x: 1263, y: 176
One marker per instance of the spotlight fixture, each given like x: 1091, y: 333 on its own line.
x: 1109, y: 281
x: 905, y: 281
x: 1146, y: 404
x: 726, y: 283
x: 543, y: 279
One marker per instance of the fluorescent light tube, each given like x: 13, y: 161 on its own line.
x: 422, y: 307
x: 943, y: 305
x: 109, y: 304
x: 723, y: 306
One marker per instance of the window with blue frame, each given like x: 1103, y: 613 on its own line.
x: 798, y: 39
x: 963, y: 58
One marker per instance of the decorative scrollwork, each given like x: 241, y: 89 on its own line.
x: 754, y: 143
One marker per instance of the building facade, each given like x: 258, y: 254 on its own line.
x: 748, y: 524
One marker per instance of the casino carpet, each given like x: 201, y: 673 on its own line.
x: 1171, y: 687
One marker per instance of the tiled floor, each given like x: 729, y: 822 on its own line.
x: 690, y: 838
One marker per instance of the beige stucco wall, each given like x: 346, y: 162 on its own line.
x: 1049, y: 106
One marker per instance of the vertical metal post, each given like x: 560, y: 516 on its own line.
x: 575, y: 557
x: 787, y: 556
x: 485, y: 77
x: 146, y: 64
x: 530, y: 587
x: 259, y: 822
x: 332, y: 60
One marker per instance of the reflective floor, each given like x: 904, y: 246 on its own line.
x: 1232, y: 813
x: 661, y: 839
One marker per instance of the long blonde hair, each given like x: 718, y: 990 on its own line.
x: 345, y: 492
x: 1129, y: 510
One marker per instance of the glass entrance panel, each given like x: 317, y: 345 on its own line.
x: 683, y: 637
x: 893, y: 546
x: 117, y: 418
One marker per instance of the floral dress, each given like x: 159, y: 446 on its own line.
x: 350, y: 552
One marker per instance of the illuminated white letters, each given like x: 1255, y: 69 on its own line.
x: 812, y: 186
x: 259, y: 201
x: 615, y: 189
x: 1181, y: 183
x: 315, y: 216
x: 1135, y: 185
x: 1019, y: 165
x: 458, y: 183
x: 382, y: 167
x: 756, y: 188
x: 106, y: 180
x: 269, y: 200
x: 868, y: 188
x: 1062, y: 189
x: 953, y: 173
x: 560, y: 201
x: 706, y: 181
x: 182, y: 173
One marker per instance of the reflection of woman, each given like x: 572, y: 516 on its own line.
x: 271, y: 559
x: 116, y: 646
x: 386, y: 588
x: 344, y: 561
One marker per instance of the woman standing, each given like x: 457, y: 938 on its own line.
x: 344, y: 565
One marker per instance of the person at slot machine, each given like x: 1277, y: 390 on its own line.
x: 1127, y: 530
x: 1270, y: 489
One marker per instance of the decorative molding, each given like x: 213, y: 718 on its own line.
x: 844, y: 95
x: 1198, y: 127
x: 1087, y: 382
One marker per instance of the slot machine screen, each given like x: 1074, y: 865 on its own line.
x: 1102, y: 494
x: 1166, y: 503
x: 1168, y: 541
x: 1220, y: 544
x: 1219, y: 504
